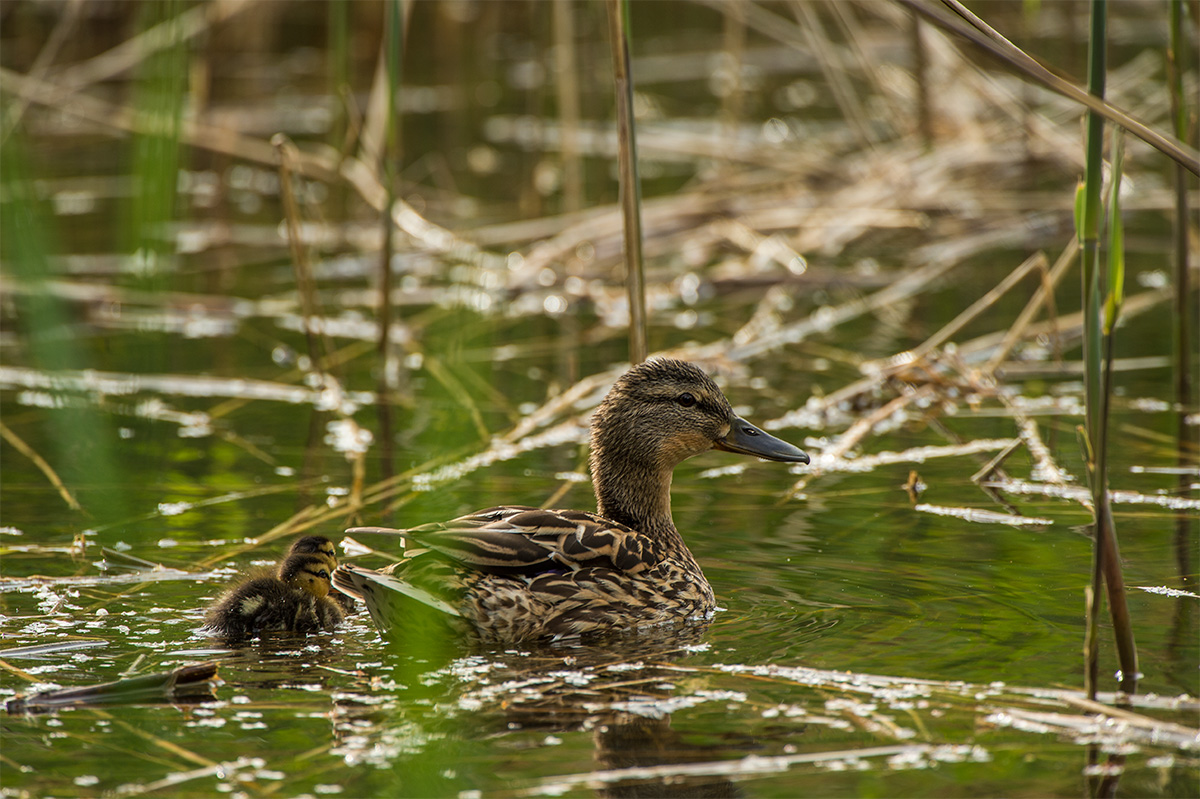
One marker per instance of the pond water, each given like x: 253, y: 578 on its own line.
x: 871, y: 642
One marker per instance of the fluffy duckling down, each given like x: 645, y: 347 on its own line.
x: 295, y: 599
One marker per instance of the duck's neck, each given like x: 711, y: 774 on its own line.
x: 632, y: 491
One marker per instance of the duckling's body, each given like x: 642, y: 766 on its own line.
x: 515, y: 573
x: 295, y: 599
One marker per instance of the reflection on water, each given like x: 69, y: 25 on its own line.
x: 642, y: 716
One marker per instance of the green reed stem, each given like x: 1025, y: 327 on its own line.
x: 631, y: 193
x: 1087, y: 206
x: 157, y: 150
x: 46, y: 326
x: 1177, y: 54
x: 1096, y: 286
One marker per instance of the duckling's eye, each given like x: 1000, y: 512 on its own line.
x: 686, y: 399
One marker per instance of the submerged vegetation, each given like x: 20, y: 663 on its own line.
x: 276, y: 269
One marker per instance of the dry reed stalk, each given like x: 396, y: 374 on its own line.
x: 42, y: 465
x: 566, y: 86
x: 830, y: 61
x: 560, y: 402
x: 859, y: 430
x: 766, y: 22
x: 1043, y: 296
x: 119, y: 384
x: 746, y: 238
x: 448, y: 381
x: 921, y: 76
x: 988, y: 39
x: 24, y: 675
x: 1045, y: 468
x: 437, y: 239
x: 733, y: 51
x: 123, y: 118
x: 138, y: 48
x: 165, y: 745
x: 298, y: 522
x: 305, y: 284
x: 995, y: 465
x: 387, y: 365
x: 588, y: 388
x: 1035, y: 261
x: 906, y: 285
x: 854, y: 37
x: 630, y: 186
x: 1068, y: 328
x: 63, y: 28
x: 169, y: 784
x: 372, y: 135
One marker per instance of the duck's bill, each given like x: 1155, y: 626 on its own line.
x: 746, y: 439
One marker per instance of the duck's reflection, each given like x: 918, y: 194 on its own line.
x: 639, y: 746
x: 624, y: 692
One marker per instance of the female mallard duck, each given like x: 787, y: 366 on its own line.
x: 295, y: 599
x: 516, y: 573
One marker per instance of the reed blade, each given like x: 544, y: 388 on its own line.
x: 631, y: 193
x: 1097, y: 349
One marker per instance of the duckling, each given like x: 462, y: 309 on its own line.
x: 295, y: 599
x: 514, y: 573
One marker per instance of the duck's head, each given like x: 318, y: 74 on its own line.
x: 317, y: 544
x: 308, y: 571
x: 656, y: 415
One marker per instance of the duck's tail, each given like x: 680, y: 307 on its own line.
x: 385, y: 594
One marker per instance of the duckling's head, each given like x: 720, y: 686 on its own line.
x: 308, y: 571
x: 314, y: 544
x: 656, y: 415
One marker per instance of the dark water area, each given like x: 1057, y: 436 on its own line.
x: 871, y: 641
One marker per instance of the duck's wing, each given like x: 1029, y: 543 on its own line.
x: 517, y: 539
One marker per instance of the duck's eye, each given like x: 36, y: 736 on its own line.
x: 686, y: 399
